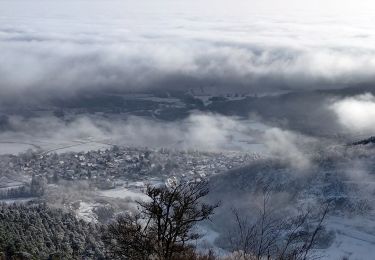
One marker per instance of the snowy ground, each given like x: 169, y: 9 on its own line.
x: 20, y: 201
x: 13, y: 146
x: 85, y: 211
x: 124, y: 193
x: 355, y: 239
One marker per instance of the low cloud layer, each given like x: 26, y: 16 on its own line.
x: 82, y: 46
x: 204, y: 132
x: 207, y: 132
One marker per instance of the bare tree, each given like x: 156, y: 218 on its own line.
x: 302, y: 234
x: 254, y: 239
x: 272, y: 237
x: 164, y: 225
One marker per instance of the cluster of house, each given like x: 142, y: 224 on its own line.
x: 105, y: 167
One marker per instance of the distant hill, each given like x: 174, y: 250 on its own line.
x: 370, y: 140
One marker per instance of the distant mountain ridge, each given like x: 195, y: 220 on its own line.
x: 370, y: 140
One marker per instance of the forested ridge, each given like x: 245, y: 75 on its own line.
x: 47, y: 233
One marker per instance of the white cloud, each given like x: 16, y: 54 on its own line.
x: 356, y: 114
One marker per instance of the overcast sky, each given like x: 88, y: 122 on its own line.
x: 257, y: 46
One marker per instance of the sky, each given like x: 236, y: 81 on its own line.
x: 65, y: 47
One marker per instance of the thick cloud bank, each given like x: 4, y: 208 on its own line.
x: 64, y: 47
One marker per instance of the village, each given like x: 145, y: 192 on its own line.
x: 110, y: 168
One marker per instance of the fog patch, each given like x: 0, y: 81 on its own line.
x: 356, y: 114
x: 289, y: 146
x: 199, y: 131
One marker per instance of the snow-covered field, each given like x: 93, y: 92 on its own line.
x: 354, y: 238
x: 124, y: 193
x: 46, y: 146
x: 14, y: 147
